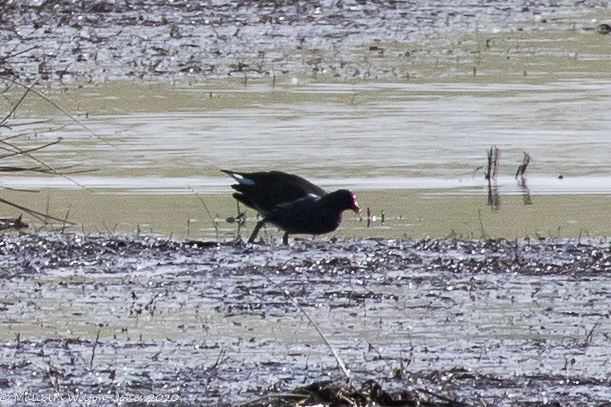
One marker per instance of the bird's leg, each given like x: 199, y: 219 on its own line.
x: 255, y: 231
x: 285, y: 239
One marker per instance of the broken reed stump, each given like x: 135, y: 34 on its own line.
x: 522, y: 184
x: 494, y: 157
x: 372, y: 218
x: 10, y: 223
x: 522, y: 168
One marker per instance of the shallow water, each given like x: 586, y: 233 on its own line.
x: 413, y: 151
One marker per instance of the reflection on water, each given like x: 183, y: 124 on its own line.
x: 522, y: 184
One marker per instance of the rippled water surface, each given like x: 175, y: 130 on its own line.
x: 402, y: 147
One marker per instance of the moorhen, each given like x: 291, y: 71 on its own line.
x: 292, y: 203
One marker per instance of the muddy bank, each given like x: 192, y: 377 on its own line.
x: 484, y: 322
x: 346, y: 40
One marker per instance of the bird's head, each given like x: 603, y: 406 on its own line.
x: 346, y: 200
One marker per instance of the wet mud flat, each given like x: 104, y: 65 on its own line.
x: 341, y: 40
x: 182, y: 322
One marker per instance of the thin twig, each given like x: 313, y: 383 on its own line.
x: 34, y: 213
x: 372, y: 347
x: 50, y: 169
x: 17, y: 151
x: 65, y: 221
x: 22, y: 51
x: 219, y: 359
x: 216, y: 228
x: 18, y: 169
x: 55, y: 105
x: 26, y: 124
x: 95, y: 344
x: 43, y: 171
x: 14, y: 107
x: 590, y: 335
x: 340, y: 362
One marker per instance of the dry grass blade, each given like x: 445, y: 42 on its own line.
x: 56, y: 106
x: 48, y: 169
x: 3, y: 122
x: 451, y: 402
x: 298, y: 398
x: 24, y: 124
x: 340, y: 362
x: 34, y: 213
x: 14, y: 54
x: 216, y: 228
x: 18, y: 169
x: 17, y: 151
x: 12, y: 150
x: 494, y: 157
x: 9, y: 168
